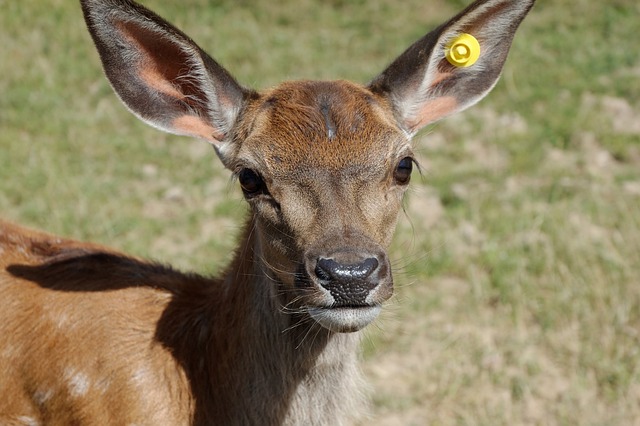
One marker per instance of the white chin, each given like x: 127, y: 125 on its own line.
x: 344, y: 320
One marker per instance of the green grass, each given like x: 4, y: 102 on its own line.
x: 518, y: 298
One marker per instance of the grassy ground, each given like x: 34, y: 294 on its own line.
x: 518, y: 291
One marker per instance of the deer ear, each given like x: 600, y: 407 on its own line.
x: 161, y: 75
x: 424, y: 86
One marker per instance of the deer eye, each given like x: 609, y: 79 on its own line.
x: 251, y: 183
x: 402, y: 174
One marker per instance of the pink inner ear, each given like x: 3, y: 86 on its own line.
x: 154, y: 79
x: 431, y: 111
x: 162, y: 66
x: 160, y: 63
x: 196, y: 126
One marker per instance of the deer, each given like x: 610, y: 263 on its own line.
x: 92, y: 336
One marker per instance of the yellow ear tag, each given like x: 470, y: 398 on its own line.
x: 463, y: 51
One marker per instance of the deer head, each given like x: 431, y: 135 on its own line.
x: 323, y: 165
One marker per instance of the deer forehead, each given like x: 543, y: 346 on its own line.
x: 336, y: 127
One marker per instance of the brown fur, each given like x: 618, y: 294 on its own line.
x: 92, y: 336
x: 130, y: 336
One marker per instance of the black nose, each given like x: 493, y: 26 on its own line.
x: 330, y: 270
x: 349, y: 278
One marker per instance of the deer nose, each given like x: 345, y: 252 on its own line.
x: 331, y: 270
x: 350, y: 278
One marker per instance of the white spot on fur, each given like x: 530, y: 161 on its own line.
x: 141, y: 376
x: 62, y: 321
x: 28, y: 421
x: 103, y: 385
x: 41, y: 396
x: 77, y: 382
x: 9, y: 352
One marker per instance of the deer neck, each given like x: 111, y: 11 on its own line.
x: 274, y: 367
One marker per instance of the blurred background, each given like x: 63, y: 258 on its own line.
x: 518, y: 258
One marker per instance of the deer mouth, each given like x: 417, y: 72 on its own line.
x: 344, y: 319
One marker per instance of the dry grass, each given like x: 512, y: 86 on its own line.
x: 527, y: 309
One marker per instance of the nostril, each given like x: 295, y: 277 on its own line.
x: 329, y: 269
x: 322, y: 269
